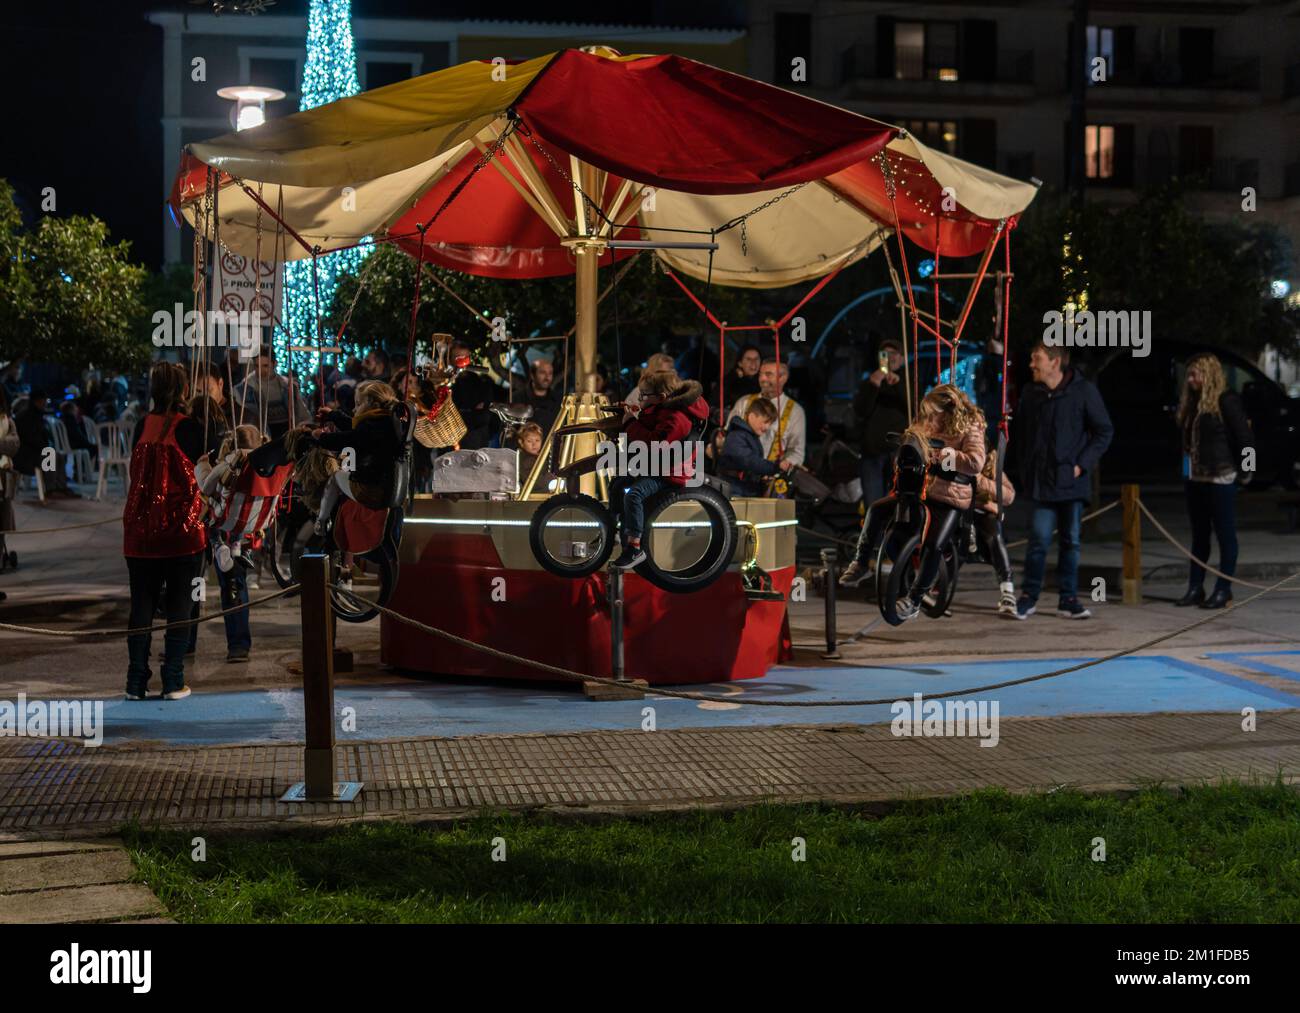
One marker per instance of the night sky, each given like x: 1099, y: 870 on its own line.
x: 83, y: 92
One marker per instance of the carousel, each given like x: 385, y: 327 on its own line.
x: 564, y: 165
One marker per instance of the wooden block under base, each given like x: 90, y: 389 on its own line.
x: 633, y: 689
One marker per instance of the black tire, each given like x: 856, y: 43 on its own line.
x: 278, y: 553
x: 897, y: 583
x: 350, y: 610
x: 544, y: 514
x: 715, y: 559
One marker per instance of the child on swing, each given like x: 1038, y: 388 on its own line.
x: 945, y: 414
x: 217, y: 483
x: 374, y: 442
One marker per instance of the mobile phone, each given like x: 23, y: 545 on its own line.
x: 882, y: 360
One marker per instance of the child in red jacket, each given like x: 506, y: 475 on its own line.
x: 670, y: 407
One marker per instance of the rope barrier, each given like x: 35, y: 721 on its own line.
x: 1187, y: 552
x: 571, y: 675
x: 49, y: 531
x: 41, y: 631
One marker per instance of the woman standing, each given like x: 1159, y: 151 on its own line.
x: 1215, y: 432
x: 163, y: 534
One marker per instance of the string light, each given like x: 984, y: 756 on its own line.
x: 329, y: 74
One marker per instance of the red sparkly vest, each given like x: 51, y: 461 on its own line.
x: 163, y: 515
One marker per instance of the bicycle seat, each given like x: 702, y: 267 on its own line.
x: 512, y: 414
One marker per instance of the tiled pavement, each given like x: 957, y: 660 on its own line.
x: 57, y: 788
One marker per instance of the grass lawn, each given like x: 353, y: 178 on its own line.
x: 1215, y: 854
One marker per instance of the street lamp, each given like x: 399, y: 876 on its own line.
x: 250, y: 103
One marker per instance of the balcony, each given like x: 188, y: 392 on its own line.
x: 858, y: 63
x: 1242, y: 75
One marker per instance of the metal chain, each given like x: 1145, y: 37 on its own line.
x: 742, y: 219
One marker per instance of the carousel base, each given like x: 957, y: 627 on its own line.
x: 473, y: 581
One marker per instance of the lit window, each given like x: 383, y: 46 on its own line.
x: 1099, y: 152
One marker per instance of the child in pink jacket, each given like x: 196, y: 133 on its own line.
x: 948, y: 415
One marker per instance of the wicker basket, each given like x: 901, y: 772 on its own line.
x: 440, y: 426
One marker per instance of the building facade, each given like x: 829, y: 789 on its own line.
x: 1203, y: 89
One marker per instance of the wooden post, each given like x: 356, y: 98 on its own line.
x: 1132, y: 545
x: 318, y: 689
x: 318, y: 676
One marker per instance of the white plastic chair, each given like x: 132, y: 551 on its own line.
x: 81, y: 464
x: 113, y: 453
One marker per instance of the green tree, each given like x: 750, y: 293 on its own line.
x: 1203, y: 280
x: 67, y: 293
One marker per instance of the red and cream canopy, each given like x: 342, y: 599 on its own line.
x: 662, y: 143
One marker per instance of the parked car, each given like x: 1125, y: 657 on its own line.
x: 1142, y: 397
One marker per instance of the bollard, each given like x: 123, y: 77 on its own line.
x: 1132, y: 573
x: 616, y: 624
x: 318, y: 690
x: 830, y: 560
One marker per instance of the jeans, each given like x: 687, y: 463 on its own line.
x: 1212, y: 507
x: 879, y: 514
x: 168, y: 580
x: 627, y: 498
x: 874, y: 470
x: 1065, y: 517
x: 234, y: 591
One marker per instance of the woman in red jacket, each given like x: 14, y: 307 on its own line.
x: 164, y: 539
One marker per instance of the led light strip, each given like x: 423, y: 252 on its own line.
x: 483, y: 522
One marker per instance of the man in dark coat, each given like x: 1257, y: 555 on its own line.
x: 1062, y: 431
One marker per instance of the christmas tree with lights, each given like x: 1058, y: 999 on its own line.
x: 329, y: 74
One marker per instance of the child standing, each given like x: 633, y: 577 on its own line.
x: 988, y: 528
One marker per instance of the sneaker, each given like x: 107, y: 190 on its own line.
x: 632, y: 556
x: 1025, y: 607
x: 179, y: 693
x: 854, y: 574
x: 132, y: 694
x: 907, y: 609
x: 237, y: 656
x: 1069, y: 608
x: 1007, y: 601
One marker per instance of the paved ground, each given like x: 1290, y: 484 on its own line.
x: 56, y: 882
x: 429, y: 749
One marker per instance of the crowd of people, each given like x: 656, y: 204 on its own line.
x: 194, y: 426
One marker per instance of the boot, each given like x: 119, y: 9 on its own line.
x: 1221, y: 597
x: 1194, y: 596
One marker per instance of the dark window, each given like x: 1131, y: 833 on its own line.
x: 938, y: 134
x: 1019, y: 164
x: 926, y: 51
x: 1195, y: 55
x: 979, y: 49
x: 793, y: 40
x: 884, y: 47
x: 1195, y: 150
x: 380, y: 73
x: 979, y: 142
x: 272, y: 73
x: 1101, y: 46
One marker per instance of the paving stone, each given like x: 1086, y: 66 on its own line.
x: 79, y: 904
x: 79, y: 869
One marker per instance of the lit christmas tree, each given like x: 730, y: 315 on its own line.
x: 330, y: 73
